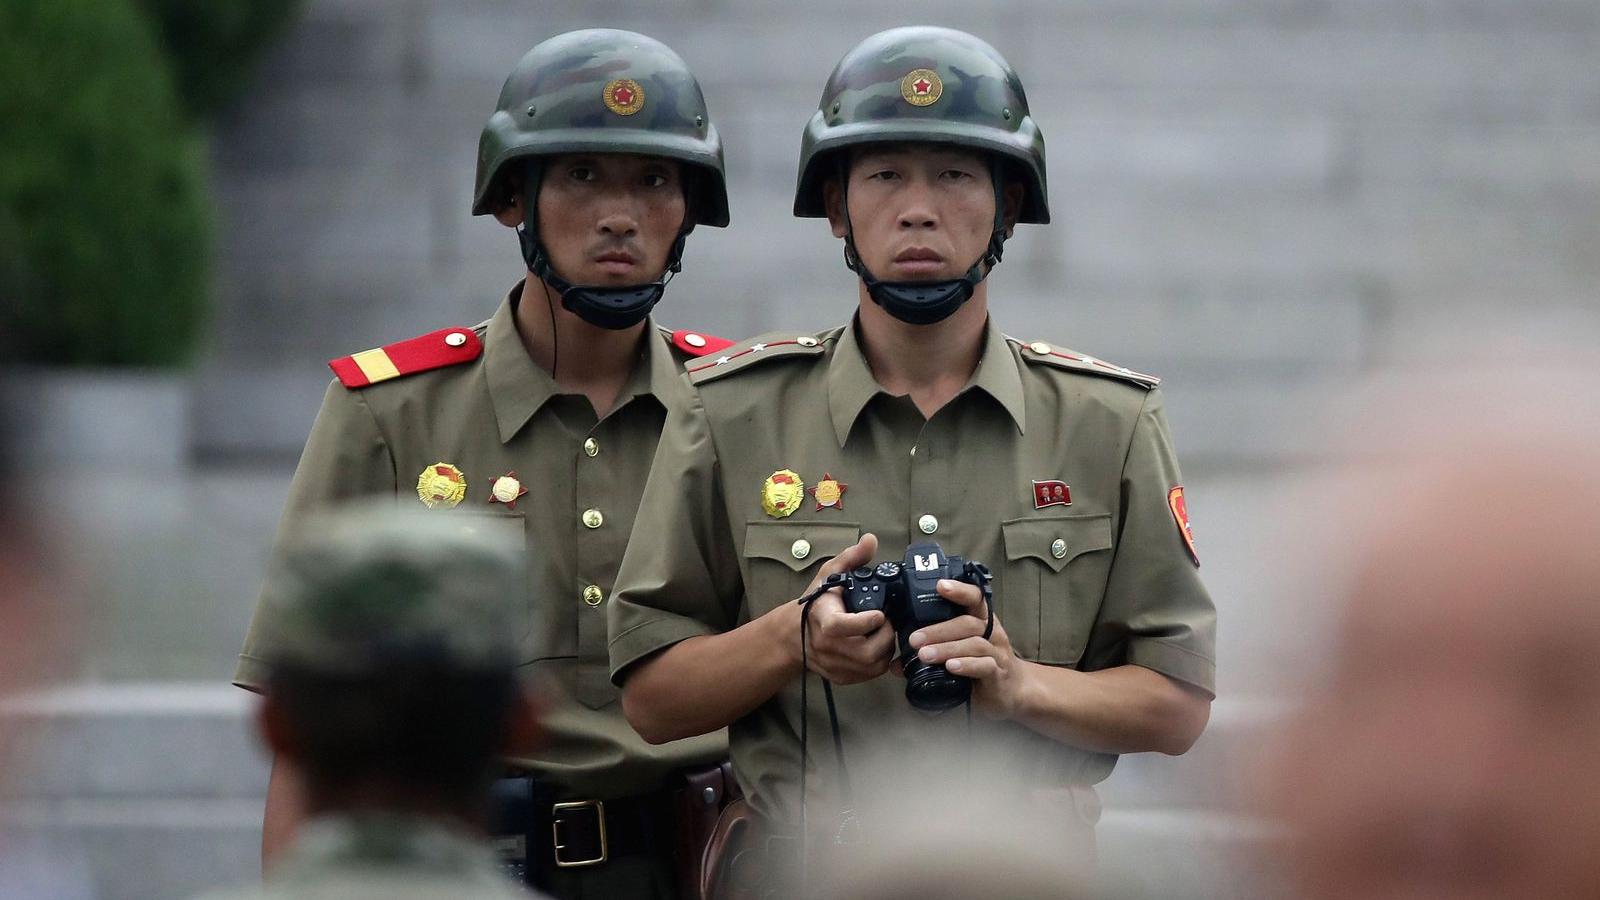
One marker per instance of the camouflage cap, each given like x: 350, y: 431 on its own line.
x: 928, y: 85
x: 605, y: 91
x: 369, y: 588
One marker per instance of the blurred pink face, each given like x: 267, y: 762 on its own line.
x: 1455, y: 752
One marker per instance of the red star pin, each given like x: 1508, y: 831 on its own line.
x: 623, y: 95
x: 922, y: 85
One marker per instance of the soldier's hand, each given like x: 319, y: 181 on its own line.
x: 996, y: 672
x: 847, y: 648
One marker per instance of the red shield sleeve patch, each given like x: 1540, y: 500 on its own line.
x: 1180, y: 514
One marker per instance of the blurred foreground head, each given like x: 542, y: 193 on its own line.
x: 393, y: 671
x: 1452, y: 749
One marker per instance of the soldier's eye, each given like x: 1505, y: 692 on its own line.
x: 582, y: 173
x: 884, y: 175
x: 955, y: 174
x: 655, y: 179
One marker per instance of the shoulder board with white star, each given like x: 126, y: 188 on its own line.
x: 434, y: 350
x: 1061, y: 357
x: 739, y: 357
x: 696, y: 343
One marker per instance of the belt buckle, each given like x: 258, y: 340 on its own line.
x: 556, y: 819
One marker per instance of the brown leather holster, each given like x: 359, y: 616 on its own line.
x: 710, y: 811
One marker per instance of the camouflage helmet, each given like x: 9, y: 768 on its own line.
x: 923, y: 84
x: 369, y: 588
x: 606, y: 91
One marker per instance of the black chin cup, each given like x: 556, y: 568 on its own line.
x: 614, y: 308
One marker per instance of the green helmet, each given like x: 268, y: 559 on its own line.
x: 603, y: 91
x: 923, y: 84
x: 371, y: 588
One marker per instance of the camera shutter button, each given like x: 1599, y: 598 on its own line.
x: 801, y: 548
x: 928, y: 524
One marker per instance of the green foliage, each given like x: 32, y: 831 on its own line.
x: 104, y: 214
x: 215, y: 44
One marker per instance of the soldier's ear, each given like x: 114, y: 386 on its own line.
x: 273, y: 727
x: 524, y: 733
x: 1013, y: 193
x: 833, y: 205
x: 509, y: 211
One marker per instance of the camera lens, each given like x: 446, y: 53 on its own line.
x: 930, y: 687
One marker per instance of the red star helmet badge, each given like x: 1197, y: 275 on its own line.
x: 921, y: 87
x: 623, y: 96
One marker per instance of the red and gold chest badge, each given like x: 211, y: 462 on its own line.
x: 1051, y: 493
x: 507, y: 489
x: 921, y: 87
x: 623, y: 96
x: 441, y: 484
x: 781, y: 493
x: 829, y: 493
x: 1180, y: 513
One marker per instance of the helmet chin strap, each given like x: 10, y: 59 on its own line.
x: 925, y: 302
x: 615, y: 308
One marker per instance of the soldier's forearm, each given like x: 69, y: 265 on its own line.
x: 704, y: 683
x: 1128, y: 709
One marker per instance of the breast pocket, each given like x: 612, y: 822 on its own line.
x: 510, y: 528
x: 781, y: 558
x: 1054, y: 579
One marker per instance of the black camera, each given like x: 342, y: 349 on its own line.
x: 905, y: 593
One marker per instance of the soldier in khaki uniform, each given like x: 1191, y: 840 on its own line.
x: 542, y: 423
x: 394, y: 690
x: 919, y: 420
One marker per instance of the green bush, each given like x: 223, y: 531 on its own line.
x: 104, y: 214
x: 215, y: 44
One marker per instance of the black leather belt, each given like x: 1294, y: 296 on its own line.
x: 536, y: 832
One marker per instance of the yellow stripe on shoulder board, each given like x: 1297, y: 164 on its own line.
x: 376, y: 365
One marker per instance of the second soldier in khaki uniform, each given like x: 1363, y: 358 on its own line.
x: 542, y: 423
x: 918, y: 421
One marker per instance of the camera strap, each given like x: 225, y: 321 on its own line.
x: 979, y: 573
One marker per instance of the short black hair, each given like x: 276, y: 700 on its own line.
x: 427, y: 728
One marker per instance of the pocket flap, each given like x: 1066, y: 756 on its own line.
x: 1039, y: 537
x: 782, y: 541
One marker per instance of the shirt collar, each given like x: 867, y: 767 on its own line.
x: 851, y: 385
x: 519, y: 387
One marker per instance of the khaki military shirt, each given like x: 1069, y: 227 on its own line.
x: 1102, y: 581
x: 502, y: 414
x: 383, y: 857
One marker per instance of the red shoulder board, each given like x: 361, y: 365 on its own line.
x: 696, y: 343
x: 435, y: 350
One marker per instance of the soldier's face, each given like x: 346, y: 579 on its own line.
x: 1455, y: 752
x: 919, y: 212
x: 610, y: 219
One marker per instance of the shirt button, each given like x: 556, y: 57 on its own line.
x: 928, y: 524
x: 1058, y: 548
x: 806, y: 341
x: 801, y: 548
x: 455, y: 339
x: 694, y: 340
x: 592, y: 595
x: 592, y: 518
x: 591, y: 447
x: 1039, y: 347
